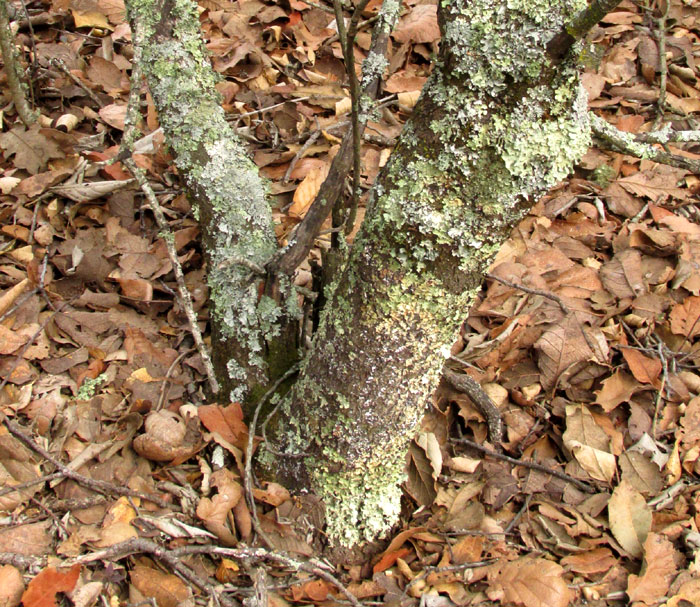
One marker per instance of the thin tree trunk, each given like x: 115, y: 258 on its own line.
x: 498, y: 123
x: 227, y: 193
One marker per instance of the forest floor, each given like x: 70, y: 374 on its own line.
x: 589, y: 348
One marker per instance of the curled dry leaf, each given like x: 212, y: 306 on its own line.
x: 86, y: 192
x: 42, y: 590
x: 307, y: 190
x: 532, y: 582
x: 420, y: 25
x: 589, y: 443
x: 214, y: 511
x: 168, y: 437
x: 167, y: 589
x: 629, y: 517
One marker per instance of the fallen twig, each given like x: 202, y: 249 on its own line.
x: 627, y: 143
x: 546, y: 294
x: 164, y: 226
x: 473, y: 390
x: 90, y: 483
x: 525, y: 464
x: 248, y: 477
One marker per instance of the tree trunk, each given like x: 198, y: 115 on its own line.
x: 499, y: 122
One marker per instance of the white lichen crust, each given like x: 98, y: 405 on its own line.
x: 496, y: 126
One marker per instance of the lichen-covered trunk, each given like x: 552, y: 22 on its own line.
x: 498, y: 123
x: 223, y: 184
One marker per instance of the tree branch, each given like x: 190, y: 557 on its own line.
x: 578, y: 27
x: 628, y: 143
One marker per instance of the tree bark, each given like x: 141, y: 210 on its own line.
x: 227, y: 193
x: 499, y: 122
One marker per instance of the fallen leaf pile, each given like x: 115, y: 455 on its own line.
x: 585, y: 337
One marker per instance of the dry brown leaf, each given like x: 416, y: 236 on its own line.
x: 306, y: 191
x: 629, y: 517
x: 589, y: 443
x: 622, y: 275
x: 561, y: 348
x: 598, y: 560
x: 640, y: 472
x: 657, y: 572
x: 532, y: 582
x: 42, y: 590
x: 11, y: 586
x: 617, y: 388
x: 644, y: 368
x: 419, y: 25
x: 167, y: 589
x: 685, y: 317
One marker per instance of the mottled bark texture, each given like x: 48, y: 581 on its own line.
x: 498, y: 123
x: 227, y: 193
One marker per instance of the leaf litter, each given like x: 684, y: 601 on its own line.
x: 593, y: 363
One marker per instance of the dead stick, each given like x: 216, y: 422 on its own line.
x: 546, y: 294
x: 525, y: 464
x: 90, y: 483
x: 473, y: 390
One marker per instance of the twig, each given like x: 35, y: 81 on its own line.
x: 660, y: 392
x: 473, y: 390
x: 546, y: 294
x: 171, y: 558
x: 164, y: 226
x: 526, y: 464
x: 90, y: 483
x: 668, y: 135
x: 13, y: 71
x: 576, y: 29
x: 166, y: 379
x: 36, y: 481
x: 307, y: 144
x: 56, y: 62
x: 448, y: 569
x: 660, y: 35
x: 347, y: 42
x: 628, y: 144
x: 266, y: 108
x: 248, y: 477
x: 141, y: 545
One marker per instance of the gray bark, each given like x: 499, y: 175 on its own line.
x: 499, y: 122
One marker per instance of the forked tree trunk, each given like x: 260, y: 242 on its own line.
x: 499, y: 122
